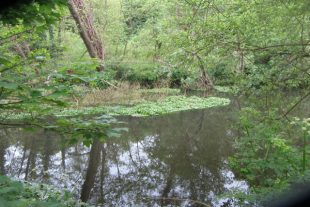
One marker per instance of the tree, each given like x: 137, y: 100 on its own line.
x: 83, y: 19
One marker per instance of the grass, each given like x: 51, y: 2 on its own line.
x: 123, y: 94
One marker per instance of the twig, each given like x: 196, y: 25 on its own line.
x: 110, y: 83
x: 83, y: 54
x: 16, y: 34
x: 255, y: 48
x: 296, y: 104
x: 11, y: 67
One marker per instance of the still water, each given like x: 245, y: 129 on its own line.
x: 180, y: 159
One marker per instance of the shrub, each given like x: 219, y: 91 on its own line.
x: 22, y: 194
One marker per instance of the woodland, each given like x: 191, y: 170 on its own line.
x: 89, y: 72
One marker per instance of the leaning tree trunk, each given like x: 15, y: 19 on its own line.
x: 83, y: 20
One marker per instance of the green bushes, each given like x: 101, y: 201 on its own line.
x: 19, y: 194
x: 222, y: 74
x: 271, y: 153
x: 145, y: 74
x: 178, y: 77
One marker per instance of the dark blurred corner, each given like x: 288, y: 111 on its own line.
x: 7, y: 4
x: 297, y: 195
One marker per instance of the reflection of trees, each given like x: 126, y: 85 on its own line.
x: 3, y: 145
x: 93, y: 164
x: 194, y: 151
x: 47, y: 152
x: 178, y: 155
x: 30, y: 166
x: 186, y: 156
x: 30, y: 156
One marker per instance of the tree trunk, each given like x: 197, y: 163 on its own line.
x: 18, y: 48
x: 52, y: 45
x: 205, y: 78
x: 87, y: 31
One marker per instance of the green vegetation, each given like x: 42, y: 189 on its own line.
x: 23, y: 194
x: 172, y: 104
x: 278, y: 153
x: 148, y: 108
x: 168, y: 91
x: 122, y: 94
x: 68, y: 58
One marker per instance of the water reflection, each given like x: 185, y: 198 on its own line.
x: 175, y: 160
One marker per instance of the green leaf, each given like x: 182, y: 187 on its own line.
x: 4, y: 61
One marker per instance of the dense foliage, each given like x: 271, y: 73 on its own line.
x: 16, y: 193
x: 258, y: 48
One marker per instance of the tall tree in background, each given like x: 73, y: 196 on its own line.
x: 84, y: 22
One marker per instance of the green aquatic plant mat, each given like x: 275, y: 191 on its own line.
x: 172, y: 104
x: 148, y: 108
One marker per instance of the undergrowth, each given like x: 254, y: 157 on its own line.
x: 23, y: 194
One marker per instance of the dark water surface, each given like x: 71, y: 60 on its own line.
x: 181, y: 157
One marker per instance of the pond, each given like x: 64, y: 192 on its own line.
x: 179, y: 159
